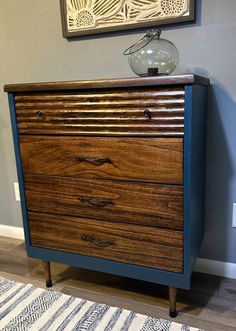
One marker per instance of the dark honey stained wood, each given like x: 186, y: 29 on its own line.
x: 103, y: 131
x: 152, y: 111
x: 172, y: 300
x: 147, y: 204
x: 104, y: 83
x: 94, y: 95
x: 142, y: 159
x: 140, y: 245
x: 47, y: 273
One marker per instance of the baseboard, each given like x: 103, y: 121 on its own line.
x: 12, y: 232
x: 206, y: 266
x: 218, y: 268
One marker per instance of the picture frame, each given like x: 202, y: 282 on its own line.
x: 86, y: 17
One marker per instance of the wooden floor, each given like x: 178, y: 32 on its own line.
x: 210, y: 305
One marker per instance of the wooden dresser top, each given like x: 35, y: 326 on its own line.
x: 108, y: 83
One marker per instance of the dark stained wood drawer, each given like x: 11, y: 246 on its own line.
x: 133, y: 244
x: 147, y: 204
x: 142, y: 159
x: 157, y: 111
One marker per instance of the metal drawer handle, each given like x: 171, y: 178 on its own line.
x: 93, y: 160
x: 100, y: 243
x: 97, y: 201
x: 39, y: 113
x: 147, y: 113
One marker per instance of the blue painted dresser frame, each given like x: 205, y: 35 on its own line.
x: 194, y: 192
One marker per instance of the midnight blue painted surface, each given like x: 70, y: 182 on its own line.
x: 112, y: 267
x: 194, y: 166
x: 19, y: 169
x: 198, y: 147
x: 187, y: 177
x: 194, y: 173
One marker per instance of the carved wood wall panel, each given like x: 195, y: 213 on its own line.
x: 93, y: 16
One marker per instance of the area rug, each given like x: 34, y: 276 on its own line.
x: 26, y: 307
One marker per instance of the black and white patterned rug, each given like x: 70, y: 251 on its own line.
x: 26, y: 307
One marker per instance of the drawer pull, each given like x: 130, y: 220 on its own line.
x: 147, y: 113
x: 97, y: 201
x: 39, y: 113
x: 93, y: 160
x: 101, y: 243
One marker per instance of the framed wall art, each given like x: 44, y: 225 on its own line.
x: 83, y: 17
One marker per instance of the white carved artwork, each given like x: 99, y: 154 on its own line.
x: 84, y: 15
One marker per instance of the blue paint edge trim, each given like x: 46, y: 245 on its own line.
x: 198, y: 170
x: 112, y: 267
x: 19, y: 168
x: 187, y: 177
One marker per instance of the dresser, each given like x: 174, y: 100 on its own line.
x: 111, y: 174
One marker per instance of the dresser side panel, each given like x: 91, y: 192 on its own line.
x: 187, y: 177
x: 11, y: 99
x: 194, y: 195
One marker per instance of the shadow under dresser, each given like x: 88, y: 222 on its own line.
x: 111, y: 174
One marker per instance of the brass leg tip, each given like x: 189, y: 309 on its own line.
x: 49, y: 283
x: 173, y: 313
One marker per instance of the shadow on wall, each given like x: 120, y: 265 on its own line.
x: 218, y: 242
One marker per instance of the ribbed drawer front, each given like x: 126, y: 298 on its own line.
x: 128, y: 202
x: 132, y: 111
x: 139, y: 159
x: 139, y: 245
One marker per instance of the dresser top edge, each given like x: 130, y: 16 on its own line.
x: 182, y: 79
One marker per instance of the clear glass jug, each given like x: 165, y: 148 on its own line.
x: 152, y: 55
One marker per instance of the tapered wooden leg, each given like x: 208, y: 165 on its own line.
x: 172, y: 300
x: 47, y: 273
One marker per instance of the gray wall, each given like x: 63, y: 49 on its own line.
x: 33, y: 49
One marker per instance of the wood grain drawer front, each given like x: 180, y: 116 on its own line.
x: 148, y: 204
x: 139, y: 245
x: 128, y: 111
x: 142, y: 159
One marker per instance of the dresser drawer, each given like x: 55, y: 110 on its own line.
x: 147, y: 204
x: 129, y: 111
x: 133, y: 244
x: 142, y: 159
